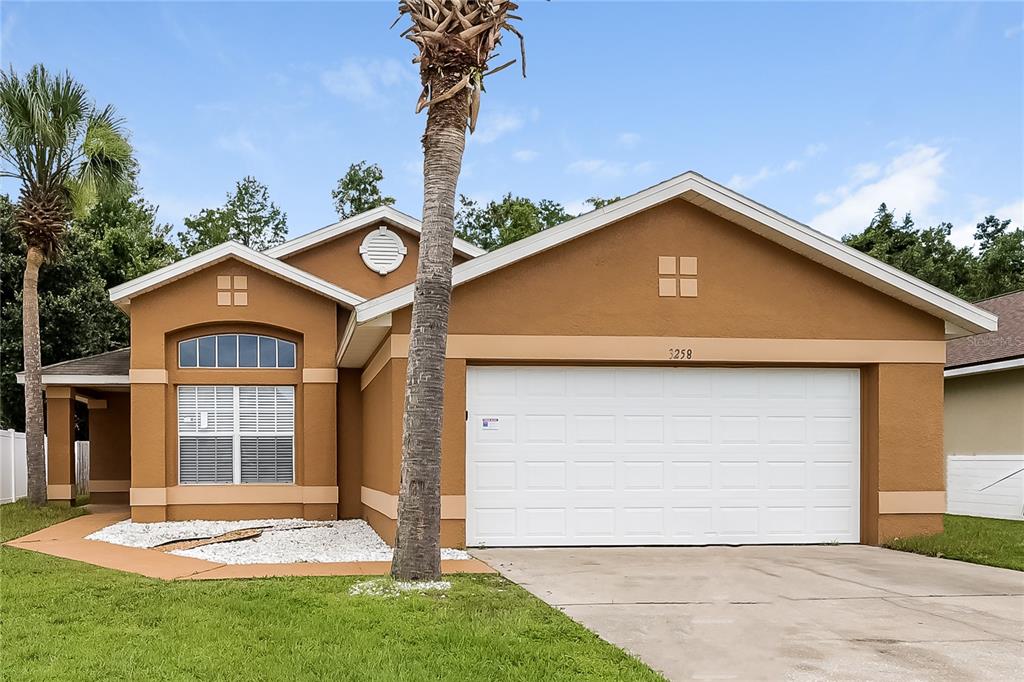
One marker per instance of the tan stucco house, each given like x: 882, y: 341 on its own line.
x: 683, y: 366
x: 985, y: 385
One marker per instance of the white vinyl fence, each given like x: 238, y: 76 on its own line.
x: 985, y: 485
x: 14, y: 467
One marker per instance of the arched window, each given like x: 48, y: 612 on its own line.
x: 231, y: 351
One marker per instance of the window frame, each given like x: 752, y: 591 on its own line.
x: 236, y: 433
x: 196, y: 342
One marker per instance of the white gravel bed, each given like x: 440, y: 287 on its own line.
x: 385, y: 587
x: 286, y: 541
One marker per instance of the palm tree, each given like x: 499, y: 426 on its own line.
x: 66, y: 153
x: 455, y: 39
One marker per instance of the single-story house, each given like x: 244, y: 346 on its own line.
x: 985, y: 385
x: 683, y: 366
x: 984, y: 420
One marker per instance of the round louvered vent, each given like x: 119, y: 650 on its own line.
x: 382, y: 251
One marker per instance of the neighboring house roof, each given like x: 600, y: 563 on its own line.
x: 104, y: 368
x: 962, y: 318
x: 1001, y: 349
x: 367, y: 218
x: 122, y: 295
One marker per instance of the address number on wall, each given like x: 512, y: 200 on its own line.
x: 680, y: 353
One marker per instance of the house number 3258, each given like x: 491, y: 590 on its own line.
x: 680, y: 353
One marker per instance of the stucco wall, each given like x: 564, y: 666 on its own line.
x: 338, y: 261
x: 110, y: 447
x: 189, y: 307
x: 985, y: 414
x: 606, y: 283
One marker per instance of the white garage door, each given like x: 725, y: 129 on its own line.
x: 674, y: 456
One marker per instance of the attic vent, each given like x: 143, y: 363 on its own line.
x: 382, y: 250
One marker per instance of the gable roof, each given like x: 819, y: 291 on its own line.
x: 1005, y: 344
x: 121, y: 295
x: 356, y: 222
x: 962, y: 317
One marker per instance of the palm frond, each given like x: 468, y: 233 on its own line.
x: 456, y: 38
x: 66, y: 152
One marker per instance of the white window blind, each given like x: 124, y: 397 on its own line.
x: 236, y: 434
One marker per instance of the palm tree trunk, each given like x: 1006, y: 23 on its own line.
x: 33, y: 379
x: 418, y: 539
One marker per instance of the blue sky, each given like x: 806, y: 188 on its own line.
x: 820, y: 111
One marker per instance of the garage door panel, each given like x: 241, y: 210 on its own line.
x: 571, y: 456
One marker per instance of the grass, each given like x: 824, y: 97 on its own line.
x: 993, y: 542
x: 64, y: 620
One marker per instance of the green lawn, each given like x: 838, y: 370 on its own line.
x: 994, y: 542
x: 63, y: 620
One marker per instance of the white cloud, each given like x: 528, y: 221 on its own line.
x: 7, y: 23
x: 525, y: 155
x: 365, y: 81
x: 605, y: 169
x: 577, y: 206
x: 744, y: 182
x: 493, y: 125
x: 628, y: 140
x: 241, y: 142
x: 963, y: 233
x: 908, y: 182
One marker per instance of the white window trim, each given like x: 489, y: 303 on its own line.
x: 236, y: 433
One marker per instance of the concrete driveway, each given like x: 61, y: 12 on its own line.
x: 846, y: 612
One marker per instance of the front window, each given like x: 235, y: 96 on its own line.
x: 236, y: 434
x: 228, y: 351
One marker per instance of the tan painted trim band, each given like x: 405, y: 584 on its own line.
x: 62, y: 392
x: 59, y: 491
x: 147, y: 376
x: 320, y: 375
x: 452, y: 506
x: 234, y: 494
x: 103, y: 486
x: 912, y: 502
x: 656, y: 349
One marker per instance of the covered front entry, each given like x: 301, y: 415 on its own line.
x: 662, y: 456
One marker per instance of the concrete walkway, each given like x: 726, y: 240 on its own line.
x: 847, y: 612
x: 67, y: 540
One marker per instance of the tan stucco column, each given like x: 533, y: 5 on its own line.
x: 60, y: 444
x: 319, y: 442
x: 903, y: 465
x: 148, y: 445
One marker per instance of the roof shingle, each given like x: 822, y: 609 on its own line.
x: 1003, y: 344
x: 111, y: 363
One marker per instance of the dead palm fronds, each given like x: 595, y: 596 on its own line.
x: 459, y: 37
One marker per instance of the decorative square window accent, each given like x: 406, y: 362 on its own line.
x: 674, y: 276
x: 666, y: 265
x: 231, y: 290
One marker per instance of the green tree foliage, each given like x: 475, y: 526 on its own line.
x: 359, y: 190
x: 598, y: 202
x: 497, y: 223
x: 996, y: 267
x: 117, y: 241
x: 248, y: 216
